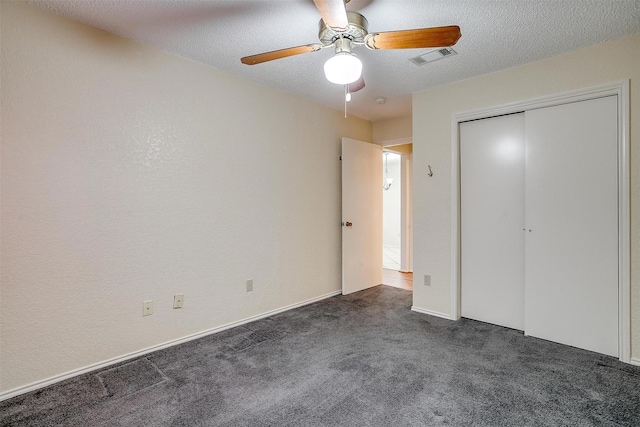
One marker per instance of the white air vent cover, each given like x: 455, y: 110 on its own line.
x: 433, y: 55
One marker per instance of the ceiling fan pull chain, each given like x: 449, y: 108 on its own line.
x: 345, y: 99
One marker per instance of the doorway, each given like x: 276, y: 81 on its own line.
x: 391, y: 211
x: 397, y: 240
x: 362, y: 222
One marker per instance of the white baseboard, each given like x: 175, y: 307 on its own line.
x: 431, y: 312
x: 634, y: 361
x: 52, y: 380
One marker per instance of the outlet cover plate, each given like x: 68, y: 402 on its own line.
x: 147, y: 308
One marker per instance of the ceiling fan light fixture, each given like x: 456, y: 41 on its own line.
x: 343, y: 68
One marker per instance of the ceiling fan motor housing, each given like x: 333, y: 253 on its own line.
x: 356, y: 31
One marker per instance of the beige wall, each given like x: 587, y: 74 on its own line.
x: 129, y: 174
x: 432, y: 111
x: 396, y: 129
x: 400, y: 149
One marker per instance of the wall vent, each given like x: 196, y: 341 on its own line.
x: 433, y: 55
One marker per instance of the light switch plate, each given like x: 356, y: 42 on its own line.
x: 178, y: 300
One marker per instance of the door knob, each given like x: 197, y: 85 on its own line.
x: 348, y: 224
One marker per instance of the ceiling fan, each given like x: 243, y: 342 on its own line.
x: 345, y: 30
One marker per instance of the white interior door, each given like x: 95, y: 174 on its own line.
x: 492, y: 218
x: 572, y: 212
x: 361, y: 215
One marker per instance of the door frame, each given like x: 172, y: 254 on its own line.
x: 406, y: 223
x: 619, y: 88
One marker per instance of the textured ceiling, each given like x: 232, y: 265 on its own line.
x: 495, y: 35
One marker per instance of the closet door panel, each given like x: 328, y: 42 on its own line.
x: 571, y: 268
x: 492, y: 218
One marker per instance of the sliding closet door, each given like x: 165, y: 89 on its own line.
x: 492, y: 219
x: 572, y: 224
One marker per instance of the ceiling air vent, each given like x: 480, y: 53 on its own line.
x: 433, y: 55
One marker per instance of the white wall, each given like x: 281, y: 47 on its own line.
x: 130, y: 174
x: 391, y: 205
x: 432, y: 111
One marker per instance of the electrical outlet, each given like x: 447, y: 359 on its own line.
x: 427, y: 280
x: 178, y: 300
x: 147, y: 308
x: 249, y: 285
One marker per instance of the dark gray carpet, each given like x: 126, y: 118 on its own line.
x: 358, y: 360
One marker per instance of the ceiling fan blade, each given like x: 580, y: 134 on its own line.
x: 357, y: 85
x: 277, y: 54
x: 411, y: 39
x: 333, y: 13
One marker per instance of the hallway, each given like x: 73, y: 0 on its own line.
x: 397, y: 279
